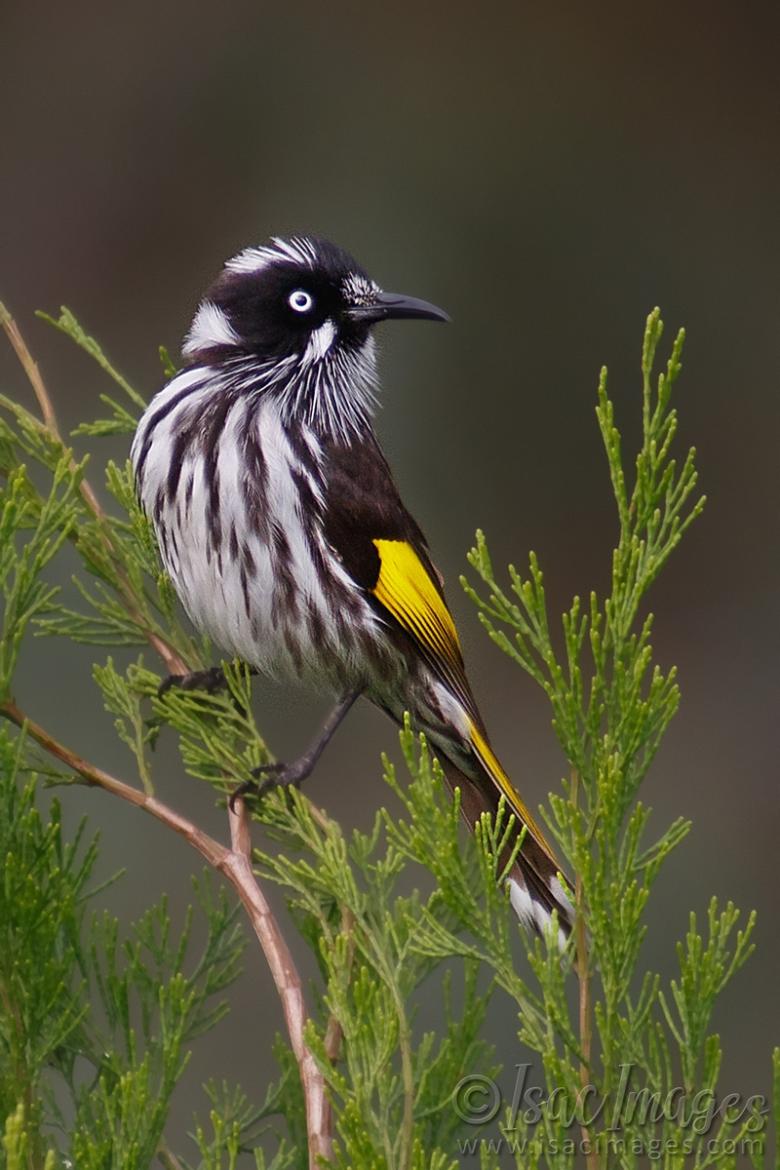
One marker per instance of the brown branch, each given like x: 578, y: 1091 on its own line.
x: 236, y: 864
x: 585, y: 1012
x: 32, y: 370
x: 586, y: 1021
x: 167, y: 1158
x: 237, y: 867
x: 333, y: 1032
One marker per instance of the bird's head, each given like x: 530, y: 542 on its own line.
x: 296, y: 314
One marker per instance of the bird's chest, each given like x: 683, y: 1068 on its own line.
x: 244, y: 544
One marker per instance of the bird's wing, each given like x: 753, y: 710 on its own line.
x: 381, y: 546
x: 407, y: 587
x: 384, y: 551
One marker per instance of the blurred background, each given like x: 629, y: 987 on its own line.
x: 548, y: 173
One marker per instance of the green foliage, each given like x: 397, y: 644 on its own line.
x: 410, y: 913
x: 32, y: 531
x: 152, y: 1011
x: 122, y: 420
x: 392, y: 1085
x: 611, y: 705
x: 128, y: 600
x: 41, y: 909
x: 96, y: 1022
x: 217, y: 734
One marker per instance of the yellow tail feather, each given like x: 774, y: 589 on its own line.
x: 489, y: 761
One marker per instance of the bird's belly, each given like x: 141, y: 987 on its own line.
x: 279, y: 606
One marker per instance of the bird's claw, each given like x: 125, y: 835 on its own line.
x: 211, y: 680
x: 267, y: 777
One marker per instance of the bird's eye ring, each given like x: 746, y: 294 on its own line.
x: 300, y: 301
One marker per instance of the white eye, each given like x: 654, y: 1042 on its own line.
x: 300, y: 300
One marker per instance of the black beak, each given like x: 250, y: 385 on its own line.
x: 385, y: 306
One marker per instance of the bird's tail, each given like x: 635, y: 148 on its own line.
x: 535, y: 888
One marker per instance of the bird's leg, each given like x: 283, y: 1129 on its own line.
x: 269, y: 776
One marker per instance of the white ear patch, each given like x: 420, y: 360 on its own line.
x: 319, y: 343
x: 210, y: 327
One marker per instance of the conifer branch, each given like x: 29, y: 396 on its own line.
x: 584, y: 978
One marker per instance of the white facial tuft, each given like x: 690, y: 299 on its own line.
x: 319, y: 344
x: 359, y: 290
x: 210, y: 327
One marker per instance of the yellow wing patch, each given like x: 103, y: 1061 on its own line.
x: 405, y: 588
x: 498, y: 775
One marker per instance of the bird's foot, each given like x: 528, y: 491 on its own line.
x: 270, y: 776
x: 291, y: 775
x: 211, y: 680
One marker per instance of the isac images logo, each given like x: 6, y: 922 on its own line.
x: 630, y: 1119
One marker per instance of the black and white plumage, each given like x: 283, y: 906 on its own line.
x: 282, y: 529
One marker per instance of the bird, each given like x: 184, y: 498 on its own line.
x: 280, y: 525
